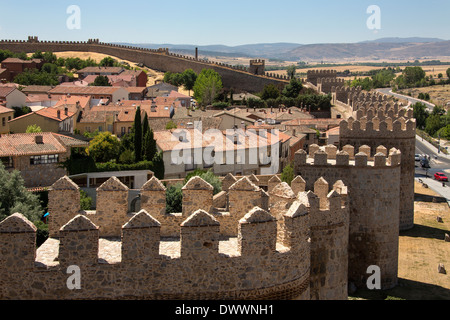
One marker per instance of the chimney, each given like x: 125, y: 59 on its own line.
x: 39, y: 139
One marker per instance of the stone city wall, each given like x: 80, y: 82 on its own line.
x: 373, y: 199
x: 160, y: 59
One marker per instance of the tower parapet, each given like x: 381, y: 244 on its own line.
x: 373, y: 183
x: 399, y: 134
x: 314, y: 75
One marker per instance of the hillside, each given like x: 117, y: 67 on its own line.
x: 370, y: 51
x: 384, y: 49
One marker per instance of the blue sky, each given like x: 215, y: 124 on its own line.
x: 228, y: 22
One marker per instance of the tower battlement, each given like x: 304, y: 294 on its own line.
x: 382, y: 111
x: 400, y: 128
x: 314, y: 75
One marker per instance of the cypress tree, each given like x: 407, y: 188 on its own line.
x: 138, y: 135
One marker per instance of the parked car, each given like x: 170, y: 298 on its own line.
x: 417, y: 157
x: 439, y: 176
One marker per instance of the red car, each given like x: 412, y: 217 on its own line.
x: 439, y: 176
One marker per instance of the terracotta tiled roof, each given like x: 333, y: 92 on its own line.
x: 71, y: 101
x: 50, y: 113
x: 22, y: 144
x: 136, y: 89
x: 168, y: 140
x: 5, y: 110
x: 40, y: 97
x: 5, y: 91
x: 37, y: 89
x: 71, y: 141
x: 176, y: 94
x: 77, y: 90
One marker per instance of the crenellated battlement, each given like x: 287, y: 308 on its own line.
x: 382, y: 111
x: 376, y: 128
x: 252, y: 78
x: 314, y: 75
x: 326, y: 85
x: 348, y: 156
x: 201, y: 264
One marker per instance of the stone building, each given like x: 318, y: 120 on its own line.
x: 38, y: 156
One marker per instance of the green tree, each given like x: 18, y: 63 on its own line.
x: 50, y: 68
x: 149, y: 146
x: 189, y: 78
x: 33, y: 128
x: 158, y: 165
x: 104, y: 147
x: 126, y: 157
x: 49, y: 57
x: 138, y: 135
x: 420, y: 113
x: 107, y: 62
x: 37, y: 55
x: 433, y: 124
x: 207, y: 86
x: 291, y: 70
x: 448, y: 73
x: 270, y: 91
x: 85, y: 201
x: 445, y: 132
x: 101, y: 81
x: 293, y: 89
x: 14, y: 197
x: 287, y: 175
x: 36, y: 77
x: 171, y: 125
x: 174, y: 198
x: 413, y: 75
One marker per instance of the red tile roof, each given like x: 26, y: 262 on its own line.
x: 5, y: 91
x: 22, y: 144
x: 77, y: 90
x: 5, y: 110
x: 50, y: 113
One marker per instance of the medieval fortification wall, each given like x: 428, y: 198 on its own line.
x: 297, y: 249
x: 373, y: 184
x: 160, y: 59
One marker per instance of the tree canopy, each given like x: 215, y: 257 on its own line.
x: 104, y: 147
x: 207, y: 86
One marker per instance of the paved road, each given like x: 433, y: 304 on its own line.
x: 439, y: 163
x: 388, y: 91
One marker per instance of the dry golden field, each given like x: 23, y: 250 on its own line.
x: 439, y: 94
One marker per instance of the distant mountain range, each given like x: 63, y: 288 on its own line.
x: 380, y: 49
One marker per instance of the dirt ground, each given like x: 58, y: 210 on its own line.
x: 421, y: 250
x: 439, y: 95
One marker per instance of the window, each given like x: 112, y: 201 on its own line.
x: 7, y: 162
x: 3, y: 121
x: 44, y: 159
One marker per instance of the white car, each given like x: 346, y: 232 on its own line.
x: 417, y: 157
